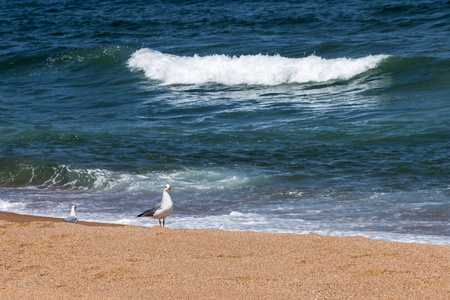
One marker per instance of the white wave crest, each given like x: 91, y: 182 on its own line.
x: 6, y: 205
x: 247, y: 69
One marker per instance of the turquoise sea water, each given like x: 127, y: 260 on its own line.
x: 294, y: 116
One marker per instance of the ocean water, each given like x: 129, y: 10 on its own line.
x: 295, y: 116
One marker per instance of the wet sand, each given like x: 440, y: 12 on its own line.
x: 44, y: 258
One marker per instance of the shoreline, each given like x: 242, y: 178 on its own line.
x: 46, y: 258
x: 23, y: 218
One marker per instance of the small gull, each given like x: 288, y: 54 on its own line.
x: 162, y: 209
x: 73, y: 216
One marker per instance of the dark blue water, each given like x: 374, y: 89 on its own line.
x: 296, y: 116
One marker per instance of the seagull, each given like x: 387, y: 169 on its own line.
x: 162, y: 209
x: 73, y: 216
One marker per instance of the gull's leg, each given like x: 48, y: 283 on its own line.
x: 159, y: 222
x: 164, y: 222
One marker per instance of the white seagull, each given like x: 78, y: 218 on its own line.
x: 162, y: 209
x: 73, y: 216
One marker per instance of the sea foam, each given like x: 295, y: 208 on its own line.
x: 247, y: 69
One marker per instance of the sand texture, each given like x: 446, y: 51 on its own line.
x: 43, y: 258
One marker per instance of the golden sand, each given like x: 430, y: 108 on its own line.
x: 44, y: 258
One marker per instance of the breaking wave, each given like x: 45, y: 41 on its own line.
x: 247, y: 69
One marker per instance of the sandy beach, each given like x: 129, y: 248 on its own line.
x: 44, y: 258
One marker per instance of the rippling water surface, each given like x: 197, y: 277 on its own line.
x: 294, y: 116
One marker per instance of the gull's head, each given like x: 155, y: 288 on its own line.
x: 167, y: 187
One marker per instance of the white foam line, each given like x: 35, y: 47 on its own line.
x: 247, y: 69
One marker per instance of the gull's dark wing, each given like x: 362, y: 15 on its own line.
x: 150, y: 212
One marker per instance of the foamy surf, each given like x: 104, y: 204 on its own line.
x: 247, y: 69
